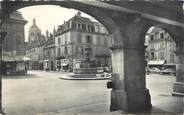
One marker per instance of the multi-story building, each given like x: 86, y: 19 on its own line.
x: 35, y: 47
x: 161, y: 48
x: 13, y: 44
x: 80, y: 38
x: 49, y: 52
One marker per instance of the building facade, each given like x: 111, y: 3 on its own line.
x: 80, y: 38
x: 161, y: 47
x: 35, y: 47
x: 49, y: 52
x: 13, y: 49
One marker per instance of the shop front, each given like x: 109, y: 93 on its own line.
x: 13, y: 65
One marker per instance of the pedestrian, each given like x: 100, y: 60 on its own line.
x: 47, y: 69
x: 59, y: 67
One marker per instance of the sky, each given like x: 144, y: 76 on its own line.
x: 47, y: 17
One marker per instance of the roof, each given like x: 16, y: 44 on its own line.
x: 77, y: 18
x: 160, y: 62
x: 17, y: 16
x: 81, y: 19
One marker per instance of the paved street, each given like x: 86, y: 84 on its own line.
x: 43, y: 93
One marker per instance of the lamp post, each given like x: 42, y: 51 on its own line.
x: 2, y: 37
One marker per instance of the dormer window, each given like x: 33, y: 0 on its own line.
x: 79, y: 26
x: 74, y: 26
x: 151, y: 37
x: 162, y: 35
x: 32, y: 33
x: 83, y: 27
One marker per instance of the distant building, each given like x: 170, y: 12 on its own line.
x: 49, y: 52
x: 161, y: 48
x: 13, y: 49
x: 80, y: 38
x: 35, y: 47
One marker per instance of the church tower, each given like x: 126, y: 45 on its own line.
x: 34, y: 32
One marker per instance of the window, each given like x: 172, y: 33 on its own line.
x: 66, y: 50
x: 79, y: 26
x: 32, y: 33
x: 99, y: 41
x: 59, y: 52
x: 162, y: 45
x: 161, y: 35
x: 172, y: 60
x: 59, y: 40
x: 48, y: 53
x: 152, y: 55
x: 106, y: 41
x: 79, y: 39
x: 89, y: 29
x: 92, y: 29
x: 88, y: 51
x: 88, y: 39
x: 66, y: 39
x: 83, y: 27
x: 98, y: 28
x: 79, y: 50
x: 68, y: 25
x: 161, y: 55
x: 152, y: 37
x: 74, y: 26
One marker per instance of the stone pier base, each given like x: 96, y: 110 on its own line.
x: 131, y: 101
x: 178, y: 89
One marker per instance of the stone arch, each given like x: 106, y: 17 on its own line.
x: 100, y: 14
x: 173, y: 31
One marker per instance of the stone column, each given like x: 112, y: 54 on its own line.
x: 2, y: 36
x: 1, y: 74
x: 129, y: 91
x: 178, y: 88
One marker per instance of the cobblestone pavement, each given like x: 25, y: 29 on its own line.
x: 43, y: 93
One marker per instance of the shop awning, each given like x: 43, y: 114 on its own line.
x: 160, y: 62
x: 64, y: 64
x: 18, y: 58
x: 12, y: 58
x: 170, y: 64
x: 26, y: 58
x: 7, y: 58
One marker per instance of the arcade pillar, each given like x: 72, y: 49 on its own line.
x: 2, y: 37
x: 178, y: 88
x: 129, y: 92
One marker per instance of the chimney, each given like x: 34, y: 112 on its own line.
x: 78, y: 14
x: 34, y: 21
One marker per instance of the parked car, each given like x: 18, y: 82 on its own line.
x: 147, y: 71
x: 107, y: 69
x: 168, y: 71
x: 155, y: 70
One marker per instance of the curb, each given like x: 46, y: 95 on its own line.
x: 72, y: 78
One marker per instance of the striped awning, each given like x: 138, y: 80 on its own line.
x: 12, y: 58
x: 160, y: 62
x: 7, y: 58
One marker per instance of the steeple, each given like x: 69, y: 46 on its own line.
x: 54, y: 31
x: 34, y: 21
